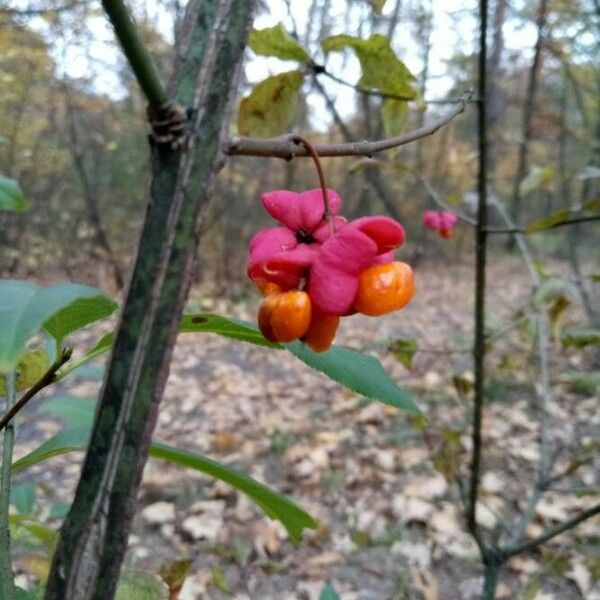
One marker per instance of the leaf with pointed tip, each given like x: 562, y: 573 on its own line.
x: 381, y: 69
x: 328, y: 593
x: 404, y: 351
x: 75, y: 436
x: 359, y: 372
x: 78, y: 314
x: 276, y: 41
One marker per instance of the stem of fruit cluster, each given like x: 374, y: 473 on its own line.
x: 310, y: 149
x: 7, y: 588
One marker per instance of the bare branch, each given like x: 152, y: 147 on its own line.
x: 285, y: 147
x: 321, y: 70
x: 551, y: 533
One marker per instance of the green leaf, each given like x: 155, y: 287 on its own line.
x: 25, y: 307
x: 556, y: 218
x: 581, y: 338
x: 276, y: 41
x: 75, y: 437
x: 73, y: 410
x: 104, y: 344
x: 23, y: 497
x: 68, y: 440
x: 382, y: 70
x: 404, y: 351
x: 45, y: 534
x: 230, y: 328
x: 137, y: 585
x: 358, y: 372
x: 328, y: 593
x: 394, y: 114
x: 30, y: 368
x: 270, y: 109
x: 78, y: 314
x: 11, y: 195
x: 276, y: 506
x: 361, y: 373
x: 21, y: 594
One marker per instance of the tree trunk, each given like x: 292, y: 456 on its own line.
x: 94, y: 535
x: 523, y: 158
x: 496, y: 102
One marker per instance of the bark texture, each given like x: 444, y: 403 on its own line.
x: 94, y: 536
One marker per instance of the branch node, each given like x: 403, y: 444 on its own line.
x: 169, y: 125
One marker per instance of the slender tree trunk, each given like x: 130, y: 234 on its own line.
x: 532, y: 84
x: 588, y: 191
x: 90, y: 195
x: 424, y: 27
x: 94, y: 535
x: 495, y: 97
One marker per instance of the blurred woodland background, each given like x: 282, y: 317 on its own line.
x: 72, y: 131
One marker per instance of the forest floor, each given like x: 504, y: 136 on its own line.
x: 382, y: 489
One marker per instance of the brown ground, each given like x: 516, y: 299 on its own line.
x: 391, y: 525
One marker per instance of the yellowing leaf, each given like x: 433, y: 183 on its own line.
x: 276, y: 41
x: 394, y: 114
x: 30, y: 369
x: 581, y: 338
x: 382, y: 70
x: 556, y: 218
x: 378, y: 5
x: 270, y: 109
x: 404, y: 351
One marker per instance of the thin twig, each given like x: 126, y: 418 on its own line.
x: 480, y: 267
x: 442, y: 204
x: 285, y: 147
x: 321, y: 70
x: 550, y: 533
x: 543, y: 397
x: 46, y: 379
x: 573, y: 221
x: 7, y: 587
x: 298, y: 139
